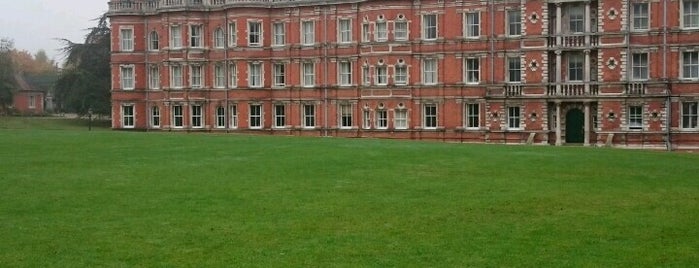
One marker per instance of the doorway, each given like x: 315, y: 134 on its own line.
x: 575, y: 124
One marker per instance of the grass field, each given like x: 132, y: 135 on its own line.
x: 73, y: 198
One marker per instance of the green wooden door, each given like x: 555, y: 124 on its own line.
x: 575, y: 120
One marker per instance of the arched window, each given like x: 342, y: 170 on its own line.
x: 219, y: 39
x: 153, y: 43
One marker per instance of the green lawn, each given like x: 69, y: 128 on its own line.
x: 73, y: 198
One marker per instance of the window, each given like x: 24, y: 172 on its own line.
x: 429, y: 116
x: 309, y: 116
x: 514, y: 70
x: 400, y: 31
x: 381, y: 75
x: 690, y: 13
x: 195, y: 81
x: 254, y: 34
x: 366, y: 34
x: 155, y: 116
x: 514, y: 22
x: 639, y: 14
x: 575, y: 67
x: 153, y: 77
x: 400, y: 120
x: 126, y: 39
x: 472, y: 68
x: 472, y: 116
x: 127, y: 77
x: 576, y: 19
x: 345, y: 115
x: 219, y: 76
x: 639, y: 66
x: 197, y: 116
x: 176, y: 76
x: 153, y: 41
x: 513, y: 117
x: 220, y: 117
x: 279, y: 116
x: 232, y: 34
x: 177, y: 116
x: 309, y: 77
x: 429, y: 71
x: 689, y: 115
x: 344, y: 31
x: 234, y: 116
x: 32, y: 102
x: 255, y: 116
x: 382, y: 119
x: 127, y: 116
x: 381, y: 31
x: 195, y: 36
x: 308, y: 33
x: 345, y: 73
x: 366, y: 123
x: 233, y: 73
x: 279, y: 34
x: 175, y: 36
x: 472, y: 25
x: 255, y: 79
x: 219, y: 38
x: 401, y: 75
x: 366, y: 77
x: 635, y: 117
x: 690, y: 65
x: 429, y: 27
x: 279, y: 75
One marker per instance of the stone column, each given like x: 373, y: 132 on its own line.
x: 559, y: 19
x: 587, y: 123
x: 558, y: 124
x: 559, y: 73
x: 586, y: 72
x: 588, y: 23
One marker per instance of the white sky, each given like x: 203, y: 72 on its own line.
x: 36, y: 24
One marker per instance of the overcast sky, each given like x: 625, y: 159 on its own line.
x: 35, y: 24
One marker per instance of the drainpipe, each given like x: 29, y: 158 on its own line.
x: 668, y: 89
x: 147, y: 67
x: 227, y: 80
x: 325, y: 71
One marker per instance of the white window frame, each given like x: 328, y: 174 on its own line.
x: 31, y: 102
x: 366, y: 119
x: 219, y: 38
x: 514, y: 118
x: 400, y: 75
x: 177, y: 113
x: 232, y: 75
x: 128, y: 77
x: 279, y: 74
x: 576, y: 18
x: 430, y: 32
x: 344, y: 30
x: 233, y: 108
x: 472, y: 70
x: 430, y: 116
x: 639, y: 66
x: 690, y: 65
x: 309, y: 115
x: 255, y: 33
x: 255, y: 117
x: 690, y: 11
x: 472, y: 113
x: 345, y: 116
x: 514, y: 69
x: 514, y: 26
x: 640, y: 16
x: 232, y: 34
x: 308, y: 74
x: 221, y: 117
x: 219, y: 75
x: 472, y: 24
x: 153, y: 76
x: 400, y: 118
x: 344, y: 75
x: 155, y: 117
x: 196, y: 31
x: 430, y: 74
x: 366, y: 32
x: 381, y: 119
x: 196, y: 76
x: 308, y: 37
x: 635, y: 117
x: 126, y: 34
x: 381, y: 31
x: 255, y: 74
x: 153, y: 41
x: 128, y: 120
x: 196, y: 116
x: 279, y: 31
x: 400, y: 30
x: 690, y: 115
x: 175, y: 37
x: 576, y: 63
x: 381, y: 78
x: 176, y: 77
x: 279, y: 116
x: 366, y: 75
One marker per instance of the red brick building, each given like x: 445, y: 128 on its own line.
x: 27, y: 101
x: 622, y: 73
